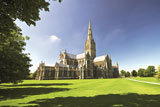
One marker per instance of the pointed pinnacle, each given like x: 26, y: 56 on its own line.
x: 89, y: 27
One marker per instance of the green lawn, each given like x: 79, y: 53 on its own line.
x: 147, y: 79
x: 81, y: 93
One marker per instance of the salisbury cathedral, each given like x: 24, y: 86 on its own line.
x: 82, y: 66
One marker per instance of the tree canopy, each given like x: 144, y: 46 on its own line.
x: 141, y: 72
x: 158, y: 72
x: 134, y: 73
x: 14, y: 62
x: 128, y: 74
x: 150, y: 71
x: 123, y: 73
x: 24, y: 10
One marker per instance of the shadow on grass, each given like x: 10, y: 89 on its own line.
x: 111, y: 100
x: 14, y: 93
x: 12, y: 85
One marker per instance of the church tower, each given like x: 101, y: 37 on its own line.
x: 90, y: 46
x: 90, y: 54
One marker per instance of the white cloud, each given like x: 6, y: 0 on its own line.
x: 54, y: 38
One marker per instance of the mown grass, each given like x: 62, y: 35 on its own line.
x: 80, y: 93
x: 147, y: 79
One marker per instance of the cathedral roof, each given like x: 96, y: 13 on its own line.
x: 79, y: 56
x: 61, y: 65
x: 72, y: 56
x: 99, y: 58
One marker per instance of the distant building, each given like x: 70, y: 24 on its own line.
x: 82, y: 66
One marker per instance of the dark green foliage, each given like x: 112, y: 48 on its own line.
x: 128, y: 74
x: 32, y: 75
x: 123, y: 73
x: 150, y: 71
x: 134, y: 73
x: 24, y: 10
x: 141, y: 72
x: 14, y: 63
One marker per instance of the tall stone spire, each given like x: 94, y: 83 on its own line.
x: 90, y: 46
x: 89, y: 31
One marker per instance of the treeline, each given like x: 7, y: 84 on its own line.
x: 149, y: 72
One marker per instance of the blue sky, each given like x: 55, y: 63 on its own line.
x: 127, y: 30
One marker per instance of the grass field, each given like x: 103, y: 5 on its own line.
x: 81, y: 93
x: 147, y: 79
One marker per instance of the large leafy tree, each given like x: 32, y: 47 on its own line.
x: 14, y: 62
x: 150, y: 71
x: 24, y: 10
x: 134, y: 73
x: 141, y: 72
x: 158, y: 72
x: 123, y: 73
x: 128, y: 74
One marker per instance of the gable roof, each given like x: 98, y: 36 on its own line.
x: 61, y: 65
x: 72, y: 56
x: 79, y: 56
x: 99, y: 58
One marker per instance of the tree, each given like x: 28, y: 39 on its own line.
x: 141, y: 72
x: 24, y: 10
x: 150, y: 71
x: 128, y: 74
x: 158, y: 72
x: 123, y: 73
x: 14, y: 63
x: 134, y: 73
x: 157, y: 75
x: 32, y: 75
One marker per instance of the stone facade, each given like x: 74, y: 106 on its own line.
x: 81, y: 66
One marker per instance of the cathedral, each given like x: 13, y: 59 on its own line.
x: 82, y: 66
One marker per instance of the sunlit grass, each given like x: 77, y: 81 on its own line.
x: 148, y: 79
x: 33, y: 92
